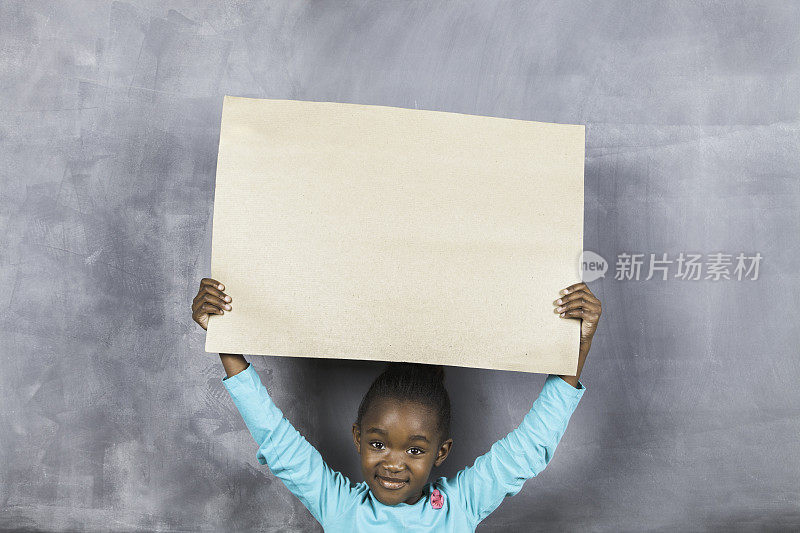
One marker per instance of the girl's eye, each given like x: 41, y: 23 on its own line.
x: 419, y: 451
x: 377, y: 445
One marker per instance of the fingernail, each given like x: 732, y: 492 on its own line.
x: 559, y: 309
x: 228, y: 299
x: 228, y: 307
x: 222, y: 287
x: 564, y: 291
x: 562, y: 314
x: 559, y: 301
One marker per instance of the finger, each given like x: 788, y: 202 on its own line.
x: 212, y: 283
x: 208, y: 289
x: 572, y: 288
x: 218, y: 293
x: 211, y: 309
x: 210, y: 299
x: 589, y: 294
x: 585, y: 314
x: 579, y: 303
x: 201, y: 297
x: 197, y: 301
x: 575, y: 295
x: 214, y: 300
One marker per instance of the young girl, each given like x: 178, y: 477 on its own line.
x: 401, y: 432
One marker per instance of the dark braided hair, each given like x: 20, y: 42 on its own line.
x: 416, y: 382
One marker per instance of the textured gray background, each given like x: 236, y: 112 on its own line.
x: 112, y: 416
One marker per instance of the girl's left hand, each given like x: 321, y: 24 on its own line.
x: 579, y: 302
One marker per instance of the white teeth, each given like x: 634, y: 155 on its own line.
x: 391, y: 484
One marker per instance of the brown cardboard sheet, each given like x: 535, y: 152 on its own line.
x: 370, y: 232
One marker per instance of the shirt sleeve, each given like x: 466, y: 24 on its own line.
x: 521, y: 454
x: 290, y: 457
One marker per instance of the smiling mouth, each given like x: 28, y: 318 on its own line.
x: 391, y: 483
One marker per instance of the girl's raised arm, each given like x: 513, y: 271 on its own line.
x: 291, y: 458
x: 527, y: 450
x: 521, y: 454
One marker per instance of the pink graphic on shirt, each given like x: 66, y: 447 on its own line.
x: 437, y: 500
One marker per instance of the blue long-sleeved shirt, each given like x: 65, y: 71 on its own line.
x: 341, y: 505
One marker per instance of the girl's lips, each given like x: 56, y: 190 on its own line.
x: 390, y: 485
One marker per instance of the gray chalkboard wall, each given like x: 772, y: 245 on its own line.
x: 112, y: 416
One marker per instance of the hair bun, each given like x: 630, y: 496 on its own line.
x: 438, y: 372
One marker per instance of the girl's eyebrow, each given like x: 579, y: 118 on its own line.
x: 380, y: 431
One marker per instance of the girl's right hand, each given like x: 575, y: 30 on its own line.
x: 210, y: 300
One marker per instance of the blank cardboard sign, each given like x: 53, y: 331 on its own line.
x: 369, y: 232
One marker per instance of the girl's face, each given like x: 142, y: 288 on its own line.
x: 399, y: 445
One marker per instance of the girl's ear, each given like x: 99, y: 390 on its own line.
x: 444, y: 451
x: 357, y: 437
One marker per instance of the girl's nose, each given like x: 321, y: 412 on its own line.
x: 394, y: 463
